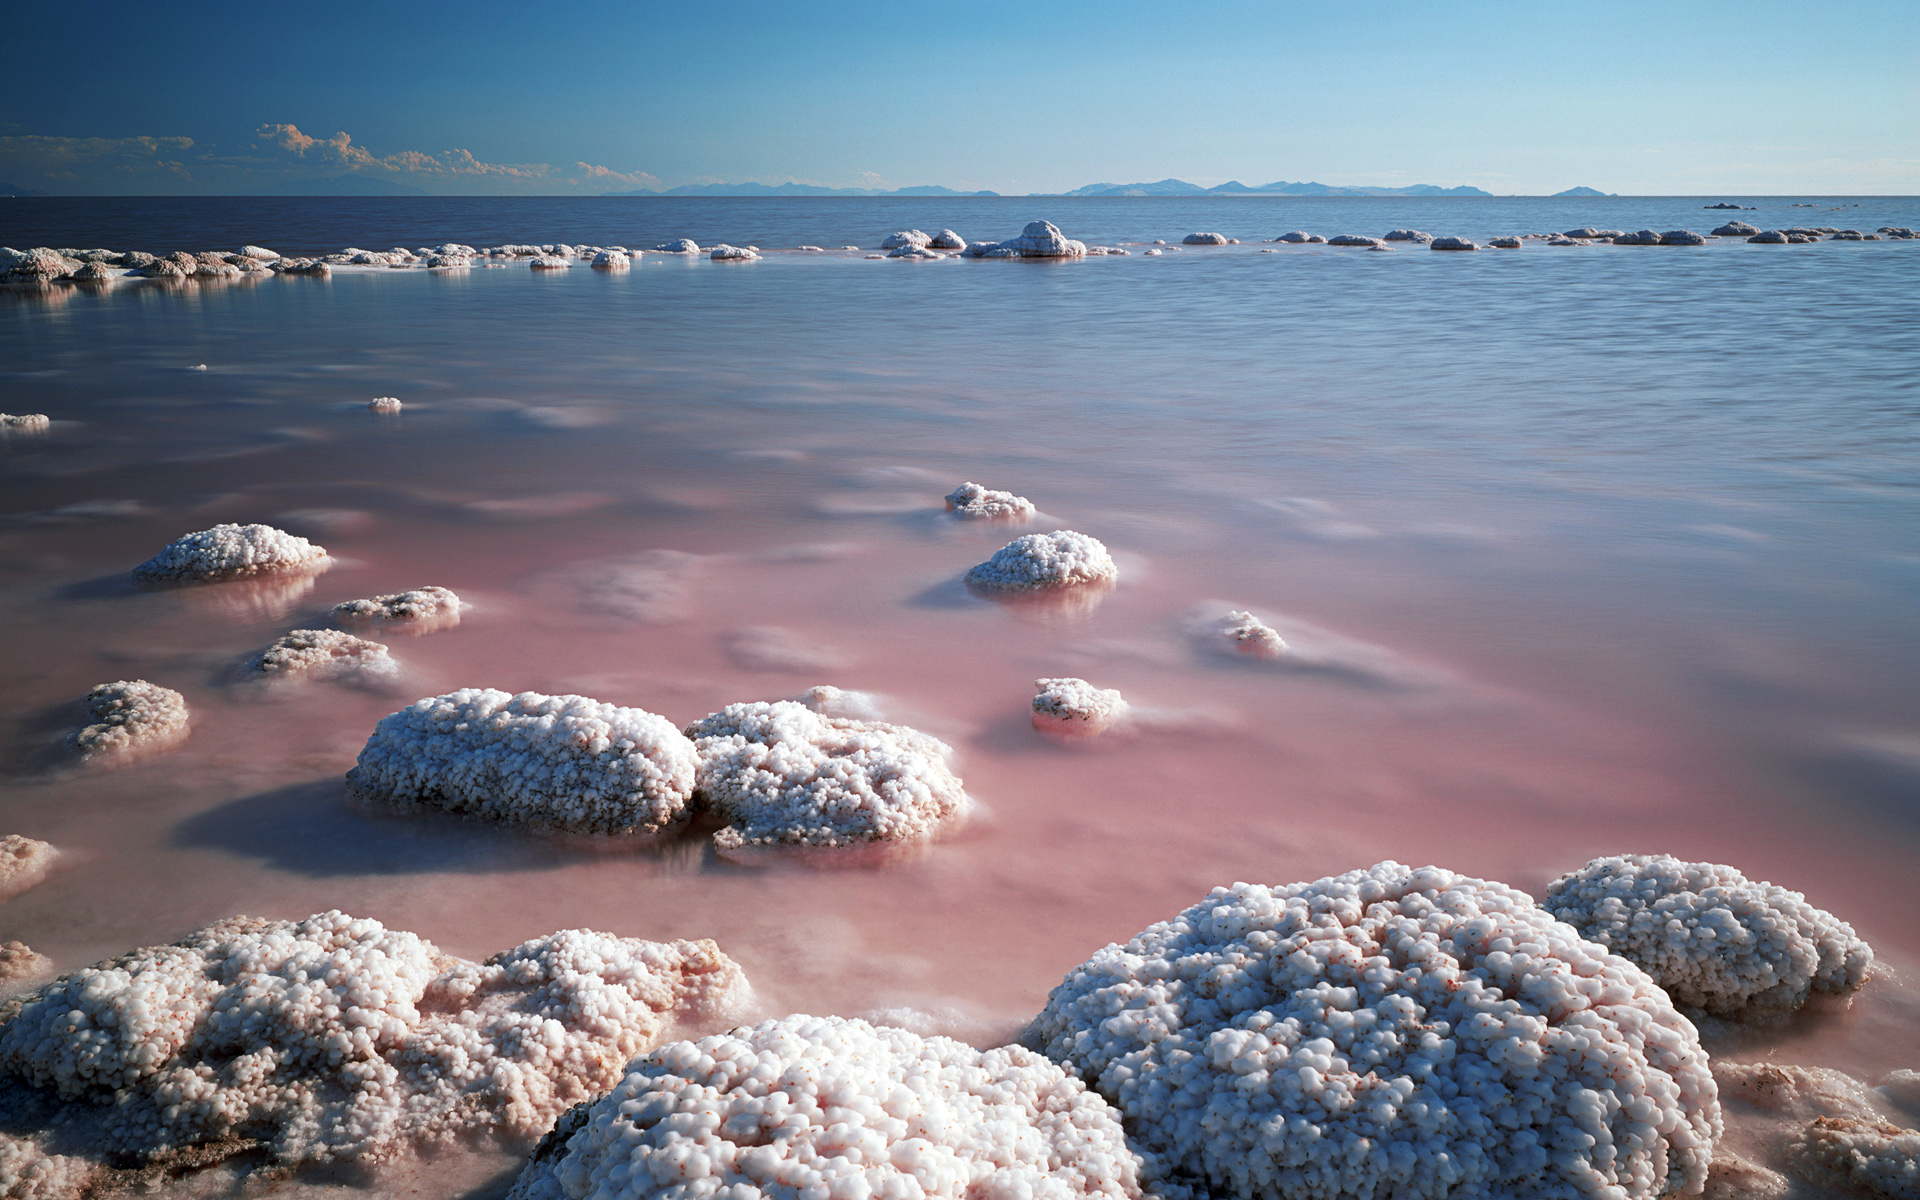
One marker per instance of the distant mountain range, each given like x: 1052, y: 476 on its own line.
x: 1586, y: 191
x: 798, y: 189
x: 14, y: 189
x: 1180, y: 187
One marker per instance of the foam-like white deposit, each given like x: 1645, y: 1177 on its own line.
x: 420, y: 610
x: 1713, y: 938
x: 24, y: 863
x: 1390, y: 1032
x: 830, y: 1107
x: 334, y: 1038
x: 972, y: 502
x: 1075, y: 707
x: 25, y: 422
x: 232, y: 552
x: 131, y: 716
x: 1043, y: 561
x: 384, y: 404
x: 321, y: 654
x: 1249, y: 635
x: 555, y: 762
x: 785, y: 776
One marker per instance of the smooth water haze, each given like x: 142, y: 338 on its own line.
x: 1610, y: 550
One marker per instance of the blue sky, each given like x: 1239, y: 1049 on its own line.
x: 587, y: 96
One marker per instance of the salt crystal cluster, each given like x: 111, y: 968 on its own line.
x: 232, y: 552
x: 132, y: 716
x: 947, y: 239
x: 971, y: 502
x: 1043, y: 561
x: 1075, y: 707
x: 28, y: 1172
x: 678, y: 246
x: 1822, y: 1125
x: 555, y: 762
x: 334, y: 1038
x: 785, y: 776
x: 1390, y: 1032
x: 420, y: 610
x: 1713, y: 938
x: 24, y: 422
x: 321, y: 654
x: 24, y: 862
x: 1249, y: 635
x: 833, y: 1107
x: 384, y: 404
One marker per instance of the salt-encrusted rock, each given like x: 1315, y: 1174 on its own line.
x: 1407, y: 235
x: 131, y: 716
x: 971, y: 502
x: 612, y: 260
x: 1732, y: 1177
x: 914, y: 252
x: 1043, y: 561
x: 725, y: 253
x: 448, y: 262
x: 321, y: 654
x: 679, y: 246
x: 1681, y: 237
x: 1713, y: 938
x: 1075, y: 707
x: 1594, y: 235
x: 563, y: 763
x: 1095, y: 251
x: 24, y: 863
x: 385, y: 404
x: 1644, y: 237
x: 29, y: 1172
x: 232, y: 552
x: 1349, y: 239
x: 1453, y: 243
x: 1391, y: 1032
x: 1204, y: 239
x: 1299, y: 238
x: 92, y: 273
x: 1896, y: 232
x: 260, y: 252
x: 25, y: 422
x: 834, y: 1107
x: 1504, y: 243
x: 164, y: 269
x: 1736, y: 229
x: 906, y: 237
x: 1874, y: 1157
x: 334, y: 1039
x: 550, y: 262
x: 1247, y: 634
x: 947, y: 239
x: 1040, y: 239
x: 40, y: 265
x: 784, y: 776
x: 20, y: 963
x: 421, y: 610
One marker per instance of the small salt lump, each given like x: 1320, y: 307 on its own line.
x: 24, y: 862
x: 131, y: 716
x: 384, y: 404
x: 24, y: 422
x: 1713, y: 938
x: 419, y: 610
x: 1392, y: 1031
x: 1043, y: 561
x: 971, y: 502
x: 834, y: 1107
x: 321, y: 654
x: 1075, y: 707
x: 20, y: 963
x: 232, y: 552
x: 1249, y: 635
x: 784, y: 776
x: 564, y: 763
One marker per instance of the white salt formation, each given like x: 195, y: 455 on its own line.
x: 914, y: 252
x: 1300, y: 237
x: 232, y: 552
x: 972, y: 502
x: 612, y: 260
x: 131, y: 716
x: 554, y: 762
x: 421, y: 610
x: 679, y: 246
x: 1822, y: 1125
x: 1204, y: 239
x: 19, y: 963
x: 384, y: 404
x: 550, y: 262
x: 1040, y: 239
x: 321, y: 654
x: 24, y: 422
x: 820, y: 1107
x: 784, y: 776
x: 1453, y: 243
x: 1406, y: 235
x: 1043, y: 561
x: 1875, y: 1158
x: 24, y: 863
x: 1713, y: 938
x: 725, y: 253
x: 28, y: 1172
x: 1505, y: 243
x: 334, y: 1039
x: 1390, y: 1032
x: 906, y: 237
x: 1249, y: 635
x: 1075, y: 707
x: 947, y: 239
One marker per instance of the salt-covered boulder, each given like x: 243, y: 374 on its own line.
x: 947, y: 239
x: 385, y: 404
x: 1713, y: 938
x: 92, y: 273
x: 1769, y: 237
x: 1299, y: 237
x: 971, y: 502
x: 834, y: 1107
x: 1043, y: 562
x: 232, y: 552
x: 726, y: 253
x: 1644, y: 237
x: 448, y: 262
x: 29, y: 1171
x: 1453, y: 243
x: 40, y: 265
x: 1589, y: 233
x: 1074, y: 707
x: 678, y: 246
x: 161, y: 268
x: 25, y: 422
x: 1394, y: 1031
x: 1565, y: 241
x: 906, y: 237
x: 24, y: 862
x: 1349, y: 239
x: 1407, y: 235
x: 321, y: 654
x: 1681, y: 237
x: 1246, y: 634
x: 1204, y: 239
x: 1504, y: 243
x: 612, y: 260
x: 1040, y: 239
x: 336, y: 1039
x: 420, y: 610
x: 550, y: 262
x: 259, y: 252
x: 1736, y: 229
x: 131, y: 717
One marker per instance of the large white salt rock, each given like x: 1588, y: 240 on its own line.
x: 564, y: 763
x: 24, y: 862
x: 1354, y: 239
x: 831, y: 1107
x: 1406, y: 235
x: 24, y: 422
x: 1394, y: 1031
x: 550, y: 262
x: 232, y: 552
x: 1040, y: 239
x: 726, y: 253
x: 612, y: 260
x: 1204, y: 239
x: 678, y: 246
x: 1044, y: 561
x: 1713, y: 938
x: 906, y: 237
x: 321, y: 654
x: 947, y: 239
x: 1300, y: 237
x: 972, y: 502
x: 131, y: 717
x: 1074, y: 707
x: 260, y: 252
x: 419, y: 610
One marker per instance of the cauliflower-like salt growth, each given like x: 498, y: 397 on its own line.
x: 785, y: 776
x: 322, y: 654
x: 24, y: 862
x: 20, y: 962
x: 1874, y: 1157
x: 335, y: 1038
x: 828, y: 1106
x: 421, y: 610
x: 1075, y: 707
x: 232, y: 552
x: 556, y: 762
x: 1389, y: 1032
x: 1249, y: 635
x: 1713, y: 938
x: 1043, y: 561
x: 28, y: 1172
x: 972, y: 502
x: 385, y: 404
x: 132, y: 716
x: 24, y: 422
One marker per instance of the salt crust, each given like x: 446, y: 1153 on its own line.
x: 678, y: 246
x: 1875, y: 1157
x: 232, y: 552
x: 423, y: 609
x: 321, y: 654
x: 1249, y: 635
x: 834, y: 1107
x: 25, y: 422
x: 785, y: 776
x: 1713, y: 938
x: 1042, y: 561
x: 972, y: 502
x: 1390, y: 1032
x: 131, y: 716
x: 612, y: 260
x: 24, y: 863
x: 384, y: 404
x: 333, y: 1038
x: 1075, y: 707
x: 564, y: 763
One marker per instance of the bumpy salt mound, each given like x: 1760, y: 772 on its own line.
x: 1204, y: 239
x: 321, y: 654
x: 1247, y: 634
x: 1042, y: 561
x: 420, y: 610
x: 947, y: 239
x: 1453, y: 243
x: 831, y: 1107
x: 725, y: 253
x: 1075, y: 707
x: 334, y: 1038
x: 1406, y: 235
x: 25, y: 422
x: 24, y: 862
x: 678, y: 246
x: 1300, y: 237
x: 132, y: 716
x: 906, y: 237
x: 1875, y: 1157
x: 28, y: 1172
x: 232, y: 552
x: 550, y: 262
x: 612, y: 260
x: 1040, y: 239
x: 1713, y: 938
x: 1389, y: 1032
x: 972, y: 502
x: 784, y: 776
x: 20, y: 962
x: 554, y: 762
x: 384, y: 404
x: 1505, y: 243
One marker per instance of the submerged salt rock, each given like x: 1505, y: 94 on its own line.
x: 24, y: 862
x: 1770, y: 237
x: 972, y: 502
x: 1042, y: 561
x: 1736, y: 229
x: 1391, y: 1031
x: 1681, y: 237
x: 1247, y: 634
x: 385, y: 404
x: 321, y: 654
x: 1204, y: 239
x: 914, y: 252
x: 564, y: 763
x: 1713, y: 938
x: 1299, y: 237
x: 726, y: 253
x: 334, y: 1038
x: 423, y: 610
x: 784, y: 776
x: 947, y: 239
x: 132, y: 716
x: 1075, y: 707
x: 20, y: 963
x: 1406, y: 235
x: 612, y: 260
x: 1504, y: 243
x: 232, y: 552
x: 24, y: 422
x: 1453, y: 243
x: 905, y: 238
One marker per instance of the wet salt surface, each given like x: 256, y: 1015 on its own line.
x: 1643, y: 528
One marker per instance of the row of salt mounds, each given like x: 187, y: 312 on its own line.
x: 1713, y: 938
x: 833, y: 1107
x: 1075, y: 707
x: 24, y: 863
x: 24, y: 422
x: 784, y: 776
x: 334, y: 1038
x: 1040, y: 239
x: 321, y: 654
x: 232, y: 552
x: 971, y: 502
x: 1044, y: 562
x: 131, y: 717
x: 418, y: 610
x: 565, y: 763
x: 1389, y: 1032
